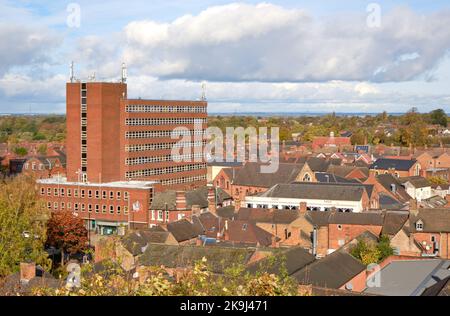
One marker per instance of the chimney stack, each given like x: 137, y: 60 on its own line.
x: 27, y: 272
x: 212, y: 203
x: 413, y: 206
x: 196, y: 210
x: 303, y: 208
x: 237, y: 205
x: 180, y: 200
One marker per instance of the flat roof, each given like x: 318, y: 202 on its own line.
x: 410, y: 277
x: 115, y: 184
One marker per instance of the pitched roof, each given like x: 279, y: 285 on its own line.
x: 226, y: 212
x: 416, y: 181
x: 434, y: 220
x: 397, y: 164
x: 259, y: 215
x: 218, y: 258
x: 369, y: 218
x: 198, y: 197
x: 250, y: 175
x: 332, y: 178
x: 316, y: 191
x: 290, y: 260
x: 184, y: 230
x: 394, y: 222
x: 333, y: 271
x: 136, y: 242
x: 248, y: 232
x: 387, y: 180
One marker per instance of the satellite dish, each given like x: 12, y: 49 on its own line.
x: 349, y: 287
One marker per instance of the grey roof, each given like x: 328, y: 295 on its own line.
x: 410, y: 277
x: 184, y: 230
x: 397, y: 164
x: 290, y: 260
x: 136, y: 242
x: 394, y: 222
x: 387, y: 180
x: 226, y: 212
x: 441, y: 288
x: 389, y: 203
x: 259, y: 215
x: 318, y: 164
x: 219, y: 258
x: 434, y: 220
x: 250, y: 175
x: 318, y: 191
x: 333, y: 271
x: 332, y: 178
x: 369, y: 218
x: 416, y: 181
x: 194, y: 197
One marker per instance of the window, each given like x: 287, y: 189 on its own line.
x: 125, y: 210
x: 82, y: 193
x: 97, y: 208
x: 69, y: 205
x: 69, y: 192
x: 49, y: 191
x: 433, y: 238
x: 103, y: 209
x: 55, y: 205
x: 90, y: 194
x: 111, y: 209
x: 75, y: 192
x: 83, y: 207
x: 167, y: 216
x: 153, y: 215
x: 339, y: 227
x: 63, y: 205
x: 49, y: 205
x: 97, y: 194
x: 90, y: 208
x: 111, y: 195
x: 118, y: 195
x: 75, y: 207
x: 125, y: 195
x: 62, y: 192
x: 307, y: 178
x: 160, y: 215
x: 104, y: 195
x: 42, y: 191
x: 118, y: 209
x: 55, y: 192
x: 419, y: 225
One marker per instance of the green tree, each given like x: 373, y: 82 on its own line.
x: 21, y: 151
x: 22, y: 225
x: 439, y: 117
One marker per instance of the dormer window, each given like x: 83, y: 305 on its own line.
x: 419, y: 225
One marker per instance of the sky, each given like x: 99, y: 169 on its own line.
x: 274, y: 56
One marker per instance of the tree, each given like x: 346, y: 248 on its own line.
x: 437, y: 180
x: 21, y: 151
x: 22, y: 225
x: 67, y: 232
x: 368, y: 251
x: 439, y: 117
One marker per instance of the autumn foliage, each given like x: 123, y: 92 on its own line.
x: 67, y: 232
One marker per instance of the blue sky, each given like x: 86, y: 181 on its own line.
x: 295, y: 56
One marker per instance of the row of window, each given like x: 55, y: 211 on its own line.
x: 165, y: 158
x: 183, y: 180
x: 164, y: 109
x: 163, y: 121
x: 89, y: 207
x: 117, y: 195
x: 157, y: 134
x: 163, y: 146
x: 34, y: 166
x: 166, y: 170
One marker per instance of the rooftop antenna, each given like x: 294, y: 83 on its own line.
x: 203, y: 91
x: 124, y: 73
x: 72, y: 77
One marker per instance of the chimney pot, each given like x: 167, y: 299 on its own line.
x: 303, y: 207
x: 27, y: 272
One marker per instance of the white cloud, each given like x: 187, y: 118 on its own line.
x: 265, y: 42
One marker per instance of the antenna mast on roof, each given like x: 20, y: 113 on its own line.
x: 72, y: 76
x: 124, y: 73
x: 203, y: 91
